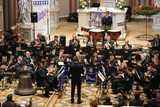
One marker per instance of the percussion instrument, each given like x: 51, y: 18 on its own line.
x: 114, y: 34
x: 85, y: 29
x: 97, y: 33
x: 146, y: 50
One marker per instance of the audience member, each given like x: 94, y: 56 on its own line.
x: 137, y: 101
x: 121, y: 100
x: 108, y: 101
x: 153, y: 102
x: 9, y: 102
x: 115, y: 104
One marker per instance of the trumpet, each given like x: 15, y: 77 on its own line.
x: 148, y: 75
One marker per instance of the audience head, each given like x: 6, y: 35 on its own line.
x: 56, y: 38
x: 20, y: 59
x: 120, y: 96
x: 9, y: 97
x: 39, y: 34
x: 145, y: 104
x: 115, y: 104
x: 137, y: 94
x: 74, y: 36
x: 108, y: 99
x: 27, y: 54
x: 94, y: 103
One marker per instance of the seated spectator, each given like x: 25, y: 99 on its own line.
x: 137, y: 101
x: 115, y: 104
x: 121, y: 100
x: 94, y: 103
x: 153, y: 102
x: 9, y: 102
x: 108, y: 101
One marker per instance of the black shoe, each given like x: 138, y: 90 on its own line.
x: 79, y: 102
x: 46, y: 95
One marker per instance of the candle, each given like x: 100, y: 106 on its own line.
x: 140, y: 8
x: 155, y: 7
x: 153, y: 4
x: 137, y: 4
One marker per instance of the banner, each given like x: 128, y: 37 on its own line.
x: 42, y: 9
x: 91, y: 75
x: 96, y: 18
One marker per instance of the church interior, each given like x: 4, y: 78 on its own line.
x: 79, y: 53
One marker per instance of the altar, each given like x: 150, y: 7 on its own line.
x: 95, y: 14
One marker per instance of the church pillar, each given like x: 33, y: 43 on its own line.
x: 1, y: 14
x: 10, y: 13
x: 72, y: 6
x: 15, y: 11
x: 5, y: 7
x: 131, y: 3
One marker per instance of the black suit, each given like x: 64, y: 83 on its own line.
x: 107, y: 21
x: 136, y: 102
x: 76, y: 70
x: 57, y: 59
x: 57, y: 47
x: 42, y: 39
x: 155, y: 42
x: 90, y: 51
x: 127, y: 53
x: 74, y: 48
x: 144, y: 66
x: 19, y: 69
x: 43, y: 79
x: 95, y: 60
x: 4, y: 52
x: 113, y: 68
x: 9, y: 104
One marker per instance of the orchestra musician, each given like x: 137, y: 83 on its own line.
x: 56, y: 44
x: 127, y: 48
x: 91, y: 48
x: 76, y: 70
x: 113, y: 65
x: 107, y: 20
x: 42, y: 41
x: 18, y: 42
x: 80, y: 58
x: 19, y: 67
x: 59, y: 58
x: 107, y: 46
x: 36, y: 43
x: 143, y: 64
x: 95, y: 60
x: 155, y: 40
x: 152, y: 80
x: 44, y: 78
x: 10, y: 33
x: 41, y: 37
x: 127, y: 79
x: 3, y: 52
x: 28, y: 61
x: 74, y: 45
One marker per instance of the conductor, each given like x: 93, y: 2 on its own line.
x: 76, y: 69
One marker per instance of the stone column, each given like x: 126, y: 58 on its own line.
x: 10, y: 13
x: 15, y: 2
x: 156, y: 21
x: 72, y: 6
x: 1, y: 14
x: 147, y: 3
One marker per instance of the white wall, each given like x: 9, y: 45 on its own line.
x: 64, y: 8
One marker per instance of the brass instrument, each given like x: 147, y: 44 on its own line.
x: 149, y: 75
x: 61, y: 60
x: 91, y: 43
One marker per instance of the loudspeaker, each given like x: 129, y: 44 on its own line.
x: 63, y: 40
x: 34, y: 17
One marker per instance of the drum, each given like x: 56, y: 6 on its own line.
x: 114, y: 34
x: 97, y: 33
x: 85, y: 29
x: 146, y: 50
